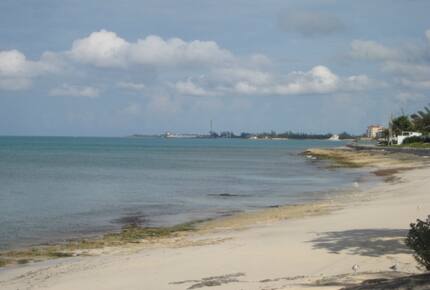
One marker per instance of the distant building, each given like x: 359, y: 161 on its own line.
x: 374, y: 131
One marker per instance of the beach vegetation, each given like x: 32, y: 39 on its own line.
x: 417, y: 142
x: 401, y: 123
x: 338, y: 158
x: 134, y: 233
x: 421, y: 120
x: 418, y: 240
x: 129, y: 234
x: 417, y: 122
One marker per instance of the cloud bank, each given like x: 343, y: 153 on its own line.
x: 409, y: 66
x: 106, y: 49
x: 193, y: 68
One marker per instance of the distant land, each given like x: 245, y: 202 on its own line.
x: 245, y: 135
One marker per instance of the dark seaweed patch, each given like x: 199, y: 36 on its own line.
x: 130, y: 220
x: 225, y: 195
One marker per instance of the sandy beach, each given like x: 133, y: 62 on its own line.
x: 292, y: 247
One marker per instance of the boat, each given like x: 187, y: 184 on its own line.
x: 334, y: 137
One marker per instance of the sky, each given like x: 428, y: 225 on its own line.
x: 116, y: 68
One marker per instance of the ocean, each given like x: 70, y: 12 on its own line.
x: 57, y: 188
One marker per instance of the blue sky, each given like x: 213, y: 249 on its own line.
x: 114, y: 68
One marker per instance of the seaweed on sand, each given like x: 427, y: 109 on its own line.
x: 129, y: 234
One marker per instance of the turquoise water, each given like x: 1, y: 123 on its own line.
x: 54, y: 188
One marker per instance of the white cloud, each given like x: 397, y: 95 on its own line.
x: 102, y: 48
x: 310, y: 23
x: 66, y: 90
x: 246, y: 88
x: 408, y: 65
x: 16, y: 71
x: 223, y: 72
x: 371, y: 50
x: 189, y: 88
x: 239, y: 73
x: 107, y: 49
x: 411, y: 69
x: 13, y: 63
x: 154, y: 50
x: 131, y: 86
x: 361, y: 82
x: 318, y: 80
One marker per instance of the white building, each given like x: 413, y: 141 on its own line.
x: 401, y: 137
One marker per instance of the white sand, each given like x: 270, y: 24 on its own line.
x: 288, y: 254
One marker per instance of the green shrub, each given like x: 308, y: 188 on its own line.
x: 418, y: 240
x: 417, y: 139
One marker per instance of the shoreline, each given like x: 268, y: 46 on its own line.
x: 237, y: 220
x: 134, y: 232
x: 221, y: 231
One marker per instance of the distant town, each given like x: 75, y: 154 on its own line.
x: 405, y: 129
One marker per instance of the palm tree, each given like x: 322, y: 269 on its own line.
x: 421, y: 120
x: 400, y: 124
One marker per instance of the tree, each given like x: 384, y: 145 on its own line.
x: 421, y: 120
x: 418, y: 239
x: 401, y: 123
x: 385, y: 133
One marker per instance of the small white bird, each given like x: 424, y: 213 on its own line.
x: 356, y: 185
x: 395, y: 267
x: 355, y: 268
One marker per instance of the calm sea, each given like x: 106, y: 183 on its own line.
x: 54, y: 188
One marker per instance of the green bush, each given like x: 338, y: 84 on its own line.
x: 418, y: 240
x: 417, y: 139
